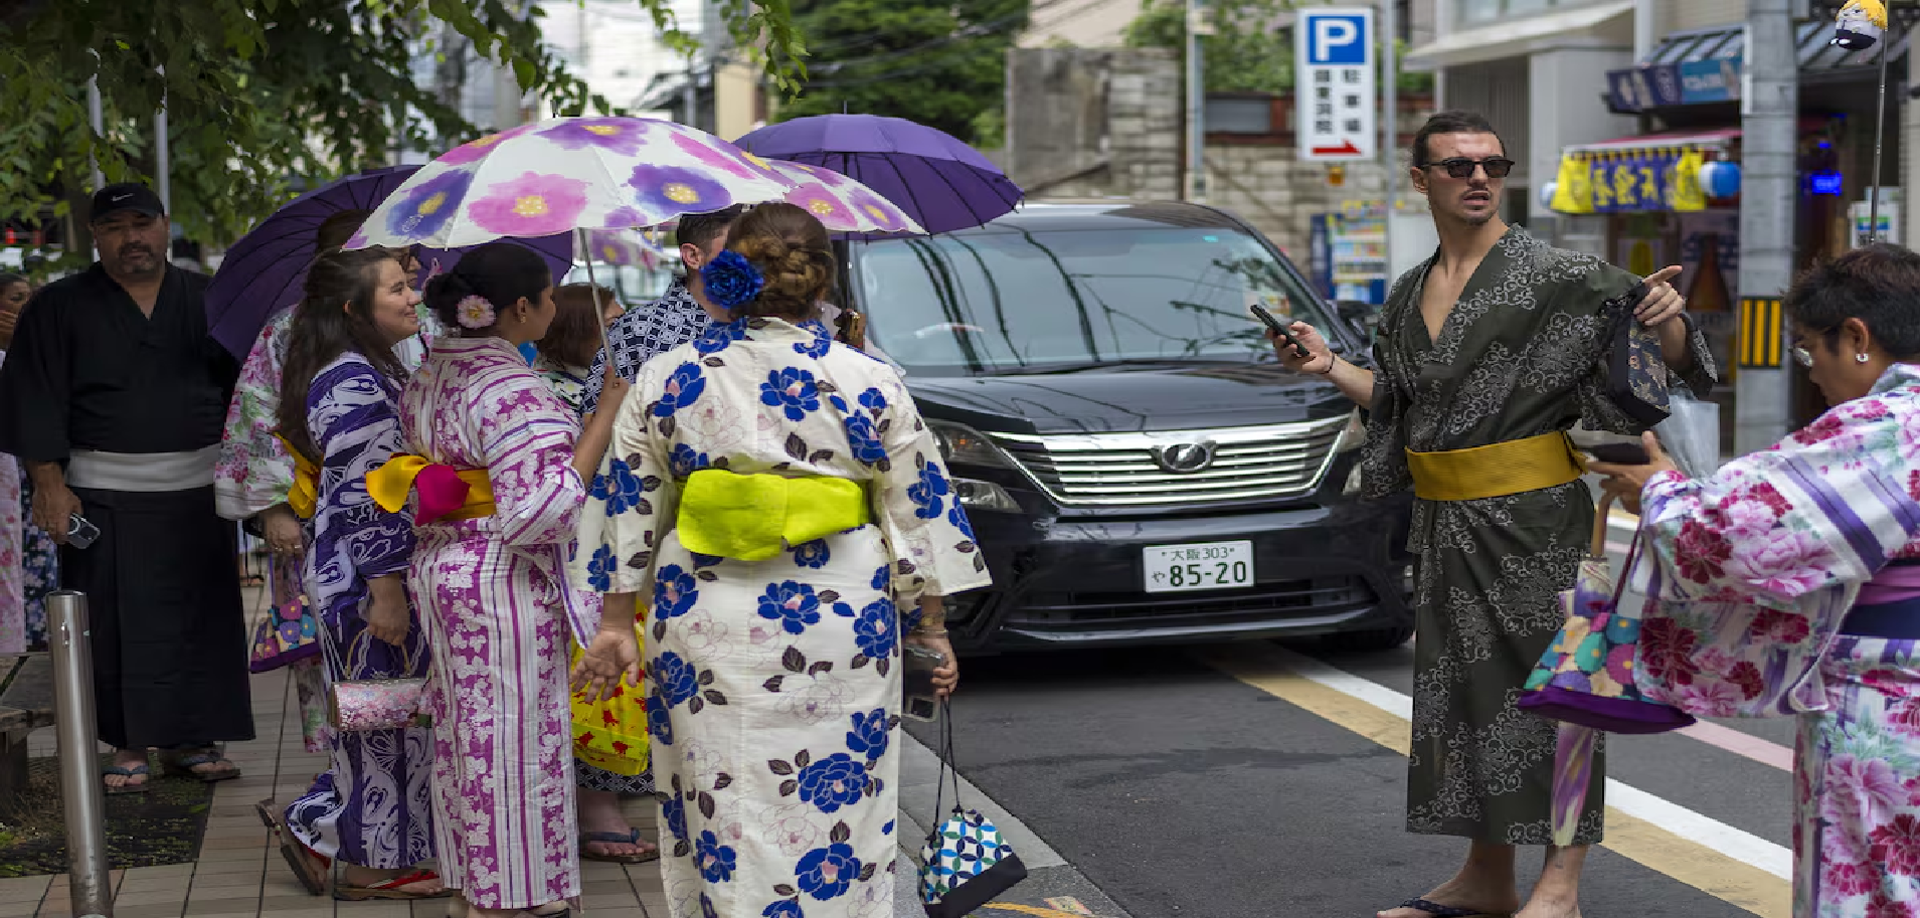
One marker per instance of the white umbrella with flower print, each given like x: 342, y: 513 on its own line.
x: 567, y: 174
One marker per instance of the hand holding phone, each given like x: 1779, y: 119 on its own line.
x: 919, y: 663
x: 1279, y: 329
x: 80, y: 533
x: 1620, y: 453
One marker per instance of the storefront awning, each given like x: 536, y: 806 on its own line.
x: 1512, y: 36
x: 1717, y: 139
x: 1703, y: 66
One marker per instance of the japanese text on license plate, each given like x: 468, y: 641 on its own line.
x: 1209, y: 566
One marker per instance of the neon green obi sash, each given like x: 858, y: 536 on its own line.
x: 755, y: 517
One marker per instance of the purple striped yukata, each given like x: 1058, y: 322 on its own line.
x: 493, y: 593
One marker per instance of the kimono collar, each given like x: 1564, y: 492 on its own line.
x: 1898, y: 376
x: 477, y: 345
x: 762, y: 328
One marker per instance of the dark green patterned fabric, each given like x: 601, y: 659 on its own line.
x: 1524, y: 352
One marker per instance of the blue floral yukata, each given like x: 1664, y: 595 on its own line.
x: 775, y: 685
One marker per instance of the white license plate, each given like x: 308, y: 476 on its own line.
x: 1208, y: 566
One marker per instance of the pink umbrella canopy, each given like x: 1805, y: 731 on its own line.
x: 842, y: 204
x: 567, y: 174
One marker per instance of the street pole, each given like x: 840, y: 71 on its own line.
x: 161, y: 151
x: 1769, y: 105
x: 1389, y: 121
x: 690, y: 97
x: 97, y: 119
x: 89, y: 885
x: 1196, y: 178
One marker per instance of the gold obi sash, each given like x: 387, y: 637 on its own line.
x: 755, y: 517
x: 445, y: 493
x: 1495, y: 470
x: 304, y: 498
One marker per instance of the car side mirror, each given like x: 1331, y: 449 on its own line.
x: 1356, y: 313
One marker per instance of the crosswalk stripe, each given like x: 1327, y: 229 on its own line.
x: 1730, y: 864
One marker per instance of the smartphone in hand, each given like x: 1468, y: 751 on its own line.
x: 1279, y: 329
x: 80, y: 533
x: 917, y: 673
x: 1620, y: 453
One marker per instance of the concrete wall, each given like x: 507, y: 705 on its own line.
x: 1681, y: 15
x: 1094, y: 122
x: 1565, y: 108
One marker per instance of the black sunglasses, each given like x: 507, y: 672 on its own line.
x: 1463, y: 168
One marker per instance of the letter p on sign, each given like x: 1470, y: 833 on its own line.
x: 1338, y: 40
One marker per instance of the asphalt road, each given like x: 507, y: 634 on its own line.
x: 1222, y: 782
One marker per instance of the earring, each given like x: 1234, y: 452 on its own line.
x: 1859, y: 358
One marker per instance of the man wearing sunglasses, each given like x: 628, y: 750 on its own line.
x: 1487, y: 354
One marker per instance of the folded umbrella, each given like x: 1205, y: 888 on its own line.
x: 266, y: 270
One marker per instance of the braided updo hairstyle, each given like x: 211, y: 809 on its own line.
x: 793, y: 252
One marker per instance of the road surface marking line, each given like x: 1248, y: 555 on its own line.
x: 1765, y: 752
x: 1730, y: 864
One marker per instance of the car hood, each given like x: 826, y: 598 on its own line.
x: 1129, y: 399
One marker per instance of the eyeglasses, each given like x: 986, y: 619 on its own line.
x: 1463, y: 168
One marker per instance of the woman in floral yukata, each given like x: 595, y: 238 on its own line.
x: 1803, y: 563
x: 774, y: 659
x: 27, y: 555
x: 339, y: 408
x: 254, y: 481
x: 490, y: 575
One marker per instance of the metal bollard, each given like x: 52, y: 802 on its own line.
x: 80, y: 790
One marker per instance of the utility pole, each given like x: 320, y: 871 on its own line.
x: 1389, y: 121
x: 162, y: 153
x: 1198, y: 24
x: 507, y: 91
x: 1770, y: 103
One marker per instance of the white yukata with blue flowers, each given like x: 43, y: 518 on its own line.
x: 774, y: 686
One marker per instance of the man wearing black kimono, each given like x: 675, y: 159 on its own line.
x: 113, y: 396
x: 1487, y: 354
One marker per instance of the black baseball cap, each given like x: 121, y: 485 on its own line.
x: 125, y: 196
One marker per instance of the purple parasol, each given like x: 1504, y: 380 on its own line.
x: 267, y: 268
x: 940, y: 182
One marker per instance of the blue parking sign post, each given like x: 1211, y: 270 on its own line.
x: 1334, y: 62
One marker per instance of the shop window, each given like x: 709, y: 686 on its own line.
x: 1239, y: 115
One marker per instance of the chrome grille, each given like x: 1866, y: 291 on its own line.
x: 1120, y: 470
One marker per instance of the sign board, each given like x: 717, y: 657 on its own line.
x: 1651, y: 86
x: 1334, y: 77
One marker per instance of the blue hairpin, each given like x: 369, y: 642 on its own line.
x: 731, y: 280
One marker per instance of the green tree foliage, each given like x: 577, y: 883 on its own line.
x: 1246, y: 53
x: 938, y: 62
x: 260, y: 93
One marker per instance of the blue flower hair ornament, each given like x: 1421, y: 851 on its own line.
x: 731, y: 280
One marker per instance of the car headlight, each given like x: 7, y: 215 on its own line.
x: 975, y: 494
x: 962, y: 445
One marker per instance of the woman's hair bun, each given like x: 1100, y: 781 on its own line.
x: 793, y: 251
x: 500, y: 272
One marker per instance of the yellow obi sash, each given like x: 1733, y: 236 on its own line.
x: 304, y: 498
x: 611, y: 735
x: 1495, y: 470
x: 445, y: 493
x: 755, y: 517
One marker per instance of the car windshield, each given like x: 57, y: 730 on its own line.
x: 1039, y: 300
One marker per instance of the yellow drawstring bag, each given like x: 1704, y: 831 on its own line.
x: 611, y: 735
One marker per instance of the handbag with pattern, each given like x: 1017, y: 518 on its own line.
x: 966, y: 862
x: 287, y: 632
x: 1586, y: 676
x: 359, y: 705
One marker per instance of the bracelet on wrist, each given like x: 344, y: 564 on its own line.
x: 1330, y: 365
x: 929, y: 632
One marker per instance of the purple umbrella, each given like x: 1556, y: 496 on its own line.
x: 266, y: 269
x: 940, y: 182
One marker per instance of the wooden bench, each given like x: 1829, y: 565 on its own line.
x: 26, y: 704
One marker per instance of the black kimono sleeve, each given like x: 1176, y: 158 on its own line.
x: 35, y: 381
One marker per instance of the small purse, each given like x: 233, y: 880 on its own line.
x: 360, y: 705
x: 965, y: 863
x: 1586, y: 676
x: 287, y: 632
x: 1632, y: 383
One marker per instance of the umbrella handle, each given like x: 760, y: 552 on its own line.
x: 599, y: 308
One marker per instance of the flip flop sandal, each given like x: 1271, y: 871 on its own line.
x: 309, y: 867
x: 631, y: 837
x: 183, y: 767
x: 1449, y: 911
x: 390, y: 889
x: 137, y: 771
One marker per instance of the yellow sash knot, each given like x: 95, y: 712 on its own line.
x: 445, y: 493
x: 1495, y: 470
x: 755, y: 517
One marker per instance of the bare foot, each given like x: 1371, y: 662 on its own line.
x: 355, y: 875
x: 600, y: 815
x: 127, y: 760
x: 1499, y: 900
x: 1549, y: 906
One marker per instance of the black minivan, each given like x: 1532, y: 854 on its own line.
x: 1137, y: 465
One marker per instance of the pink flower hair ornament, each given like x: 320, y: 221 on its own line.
x: 475, y: 312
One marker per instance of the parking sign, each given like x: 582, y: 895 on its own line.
x: 1337, y: 115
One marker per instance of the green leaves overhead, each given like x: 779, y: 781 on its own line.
x: 259, y: 92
